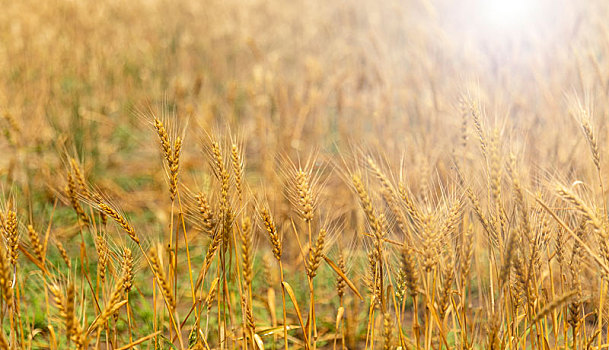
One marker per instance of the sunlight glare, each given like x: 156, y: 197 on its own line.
x: 510, y: 15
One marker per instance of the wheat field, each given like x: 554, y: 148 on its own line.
x: 263, y: 174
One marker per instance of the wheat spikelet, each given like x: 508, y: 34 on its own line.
x: 211, y: 251
x: 164, y: 138
x: 170, y: 154
x: 537, y: 246
x: 409, y: 269
x: 508, y: 257
x: 216, y: 158
x: 5, y: 278
x: 590, y: 138
x: 400, y: 286
x: 127, y: 270
x: 160, y: 275
x: 580, y: 206
x: 373, y: 278
x: 488, y: 227
x: 249, y: 316
x: 475, y: 113
x: 11, y: 235
x: 559, y: 247
x: 65, y: 306
x: 111, y: 212
x: 97, y: 199
x: 174, y: 167
x: 211, y: 298
x: 445, y: 293
x: 213, y: 247
x: 385, y: 183
x: 208, y: 220
x: 452, y: 219
x: 70, y: 313
x: 376, y: 268
x: 80, y: 179
x: 464, y: 114
x: 467, y: 251
x: 520, y: 275
x: 305, y: 197
x: 35, y: 242
x: 430, y: 243
x: 391, y: 198
x: 315, y: 253
x: 380, y: 232
x: 424, y: 173
x: 340, y: 281
x: 58, y: 298
x: 102, y: 253
x: 302, y: 188
x: 63, y: 253
x: 271, y: 230
x: 575, y: 308
x: 387, y: 331
x: 400, y: 218
x: 495, y: 166
x: 221, y: 173
x: 576, y: 250
x: 227, y: 228
x: 246, y: 250
x: 238, y: 166
x: 111, y: 306
x: 72, y: 194
x: 365, y: 201
x: 411, y: 208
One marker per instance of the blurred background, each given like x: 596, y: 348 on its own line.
x: 298, y: 75
x: 292, y: 78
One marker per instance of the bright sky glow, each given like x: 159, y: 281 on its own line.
x: 510, y: 15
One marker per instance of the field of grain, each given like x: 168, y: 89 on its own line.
x: 265, y: 174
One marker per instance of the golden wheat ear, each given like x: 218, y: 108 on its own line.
x: 271, y: 230
x: 171, y: 137
x: 303, y: 185
x: 153, y: 256
x: 71, y: 191
x: 10, y: 232
x: 238, y: 167
x: 247, y: 250
x: 5, y: 277
x: 315, y: 253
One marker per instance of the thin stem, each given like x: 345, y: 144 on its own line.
x: 285, y: 326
